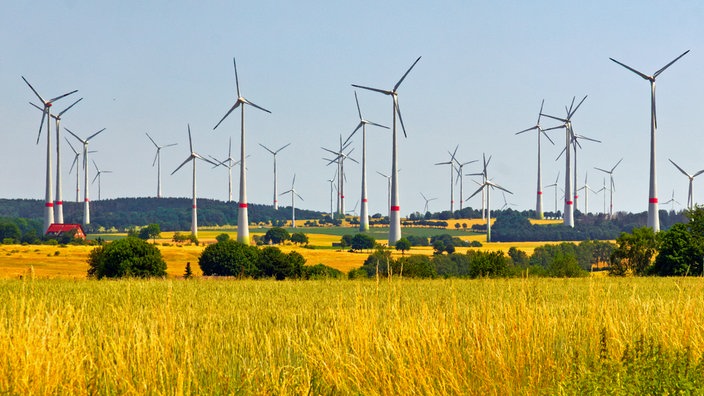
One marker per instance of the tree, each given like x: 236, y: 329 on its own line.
x: 417, y: 266
x: 680, y: 253
x: 274, y: 264
x: 229, y: 258
x: 276, y: 235
x: 634, y: 252
x: 299, y: 238
x: 129, y: 257
x: 438, y: 246
x: 346, y: 241
x: 519, y: 257
x: 222, y: 237
x: 362, y: 241
x: 403, y: 244
x: 450, y: 248
x: 152, y: 231
x: 188, y: 274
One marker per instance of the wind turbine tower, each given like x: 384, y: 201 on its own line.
x: 395, y: 209
x: 690, y: 200
x: 612, y: 188
x: 294, y: 194
x: 451, y: 162
x: 157, y: 161
x: 48, y: 194
x: 242, y: 216
x: 274, y: 153
x: 653, y: 215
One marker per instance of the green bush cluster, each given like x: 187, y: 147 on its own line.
x: 129, y: 257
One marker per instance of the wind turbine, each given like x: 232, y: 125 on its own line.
x: 506, y: 203
x: 340, y: 158
x: 193, y: 157
x: 541, y: 131
x: 353, y: 211
x: 46, y: 113
x: 484, y: 180
x: 612, y: 188
x: 74, y: 163
x: 653, y: 215
x: 427, y: 201
x: 276, y: 195
x: 86, y: 200
x: 586, y: 189
x: 460, y: 178
x: 451, y: 162
x: 394, y: 210
x: 568, y: 215
x: 228, y: 163
x: 690, y: 201
x: 364, y: 216
x: 97, y: 176
x: 488, y: 185
x: 242, y: 215
x: 388, y: 191
x: 157, y: 161
x: 294, y: 194
x: 59, y: 203
x: 554, y: 185
x: 672, y: 201
x: 331, y: 181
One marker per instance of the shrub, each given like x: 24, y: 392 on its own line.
x: 222, y: 237
x: 276, y: 235
x: 129, y: 257
x: 229, y: 258
x: 321, y: 271
x: 358, y: 273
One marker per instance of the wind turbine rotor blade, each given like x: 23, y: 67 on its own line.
x: 330, y: 151
x: 286, y: 192
x: 66, y: 109
x: 476, y: 192
x: 75, y: 161
x: 96, y: 166
x: 540, y: 112
x: 150, y: 138
x: 547, y: 136
x: 286, y: 145
x: 293, y: 183
x: 267, y: 149
x: 654, y: 111
x: 190, y: 158
x: 404, y: 76
x: 424, y: 197
x: 382, y: 174
x: 74, y: 135
x: 33, y: 90
x: 619, y: 161
x: 300, y: 197
x: 398, y: 111
x: 678, y: 167
x: 385, y: 92
x: 41, y: 125
x: 526, y: 130
x: 556, y: 127
x: 170, y: 145
x: 37, y: 107
x: 95, y: 178
x: 575, y: 109
x: 561, y: 152
x: 657, y: 73
x: 698, y: 173
x: 94, y: 135
x: 359, y: 111
x: 378, y: 125
x: 190, y: 141
x: 631, y: 69
x: 603, y: 170
x: 587, y: 138
x: 492, y: 184
x: 353, y: 160
x: 258, y: 107
x: 156, y: 156
x: 62, y: 96
x: 555, y: 118
x: 353, y: 132
x: 237, y: 80
x: 234, y: 106
x: 205, y: 159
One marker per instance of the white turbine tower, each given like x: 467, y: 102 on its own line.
x: 612, y: 188
x: 460, y: 178
x: 157, y: 161
x: 74, y: 163
x: 228, y: 163
x: 427, y: 201
x: 554, y: 185
x: 193, y: 157
x: 364, y: 215
x: 483, y: 174
x: 242, y: 215
x: 59, y: 203
x: 274, y: 153
x: 690, y: 200
x: 86, y: 199
x: 653, y: 215
x: 97, y: 176
x: 488, y: 185
x: 332, y: 181
x: 672, y: 201
x: 294, y: 194
x: 586, y: 189
x: 568, y: 215
x: 388, y: 192
x: 340, y: 158
x: 451, y: 162
x: 541, y: 131
x: 395, y: 209
x: 48, y: 194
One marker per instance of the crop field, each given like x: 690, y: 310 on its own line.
x: 517, y: 336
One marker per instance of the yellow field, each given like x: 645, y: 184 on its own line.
x: 483, y: 337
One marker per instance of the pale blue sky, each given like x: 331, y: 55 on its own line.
x: 156, y: 66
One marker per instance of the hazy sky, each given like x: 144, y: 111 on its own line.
x: 156, y: 66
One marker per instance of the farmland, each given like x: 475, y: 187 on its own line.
x: 527, y: 336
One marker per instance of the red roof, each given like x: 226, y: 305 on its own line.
x: 58, y: 229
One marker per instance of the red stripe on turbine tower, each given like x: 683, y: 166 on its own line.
x: 395, y: 208
x: 194, y: 206
x: 653, y: 200
x: 49, y: 205
x: 540, y: 193
x: 59, y: 202
x: 569, y: 202
x: 87, y: 200
x: 243, y: 205
x: 365, y: 200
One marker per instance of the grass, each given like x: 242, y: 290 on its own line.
x: 518, y: 336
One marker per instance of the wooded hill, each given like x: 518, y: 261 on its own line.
x: 171, y: 214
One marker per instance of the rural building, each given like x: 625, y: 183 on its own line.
x: 57, y: 230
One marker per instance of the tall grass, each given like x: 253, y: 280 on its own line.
x: 263, y: 337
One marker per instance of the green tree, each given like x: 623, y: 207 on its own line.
x: 188, y: 274
x: 229, y: 258
x: 403, y: 244
x: 9, y: 230
x: 222, y: 237
x: 680, y: 253
x: 634, y: 252
x: 299, y: 238
x: 417, y: 266
x: 274, y: 264
x: 362, y: 241
x: 519, y: 257
x: 129, y: 257
x: 346, y: 241
x: 152, y: 231
x: 276, y: 235
x: 438, y: 246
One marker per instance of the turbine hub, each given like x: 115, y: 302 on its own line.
x: 47, y: 104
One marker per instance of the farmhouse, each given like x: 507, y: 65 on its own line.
x: 56, y: 230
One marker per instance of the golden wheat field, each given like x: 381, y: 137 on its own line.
x: 207, y: 336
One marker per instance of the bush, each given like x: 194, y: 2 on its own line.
x: 321, y: 271
x: 222, y: 237
x: 358, y: 273
x: 129, y: 257
x: 229, y: 258
x: 417, y: 266
x: 299, y: 238
x: 276, y: 235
